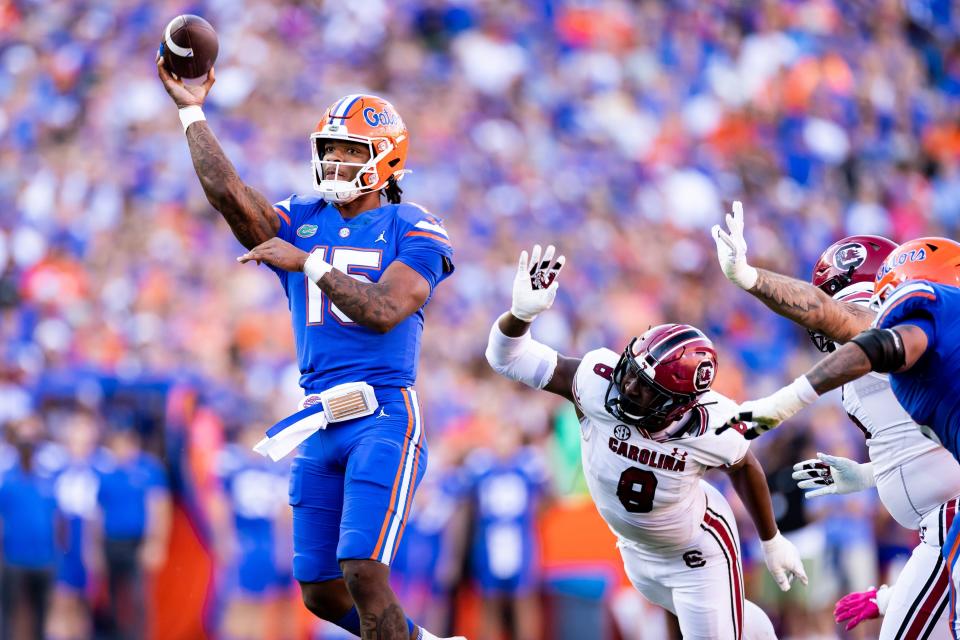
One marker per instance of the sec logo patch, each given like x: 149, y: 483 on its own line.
x: 621, y: 432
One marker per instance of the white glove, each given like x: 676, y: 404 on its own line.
x: 832, y: 474
x: 732, y: 250
x: 766, y: 413
x: 535, y: 285
x: 783, y: 561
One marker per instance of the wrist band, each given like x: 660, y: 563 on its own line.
x: 191, y: 114
x: 804, y: 390
x: 316, y: 267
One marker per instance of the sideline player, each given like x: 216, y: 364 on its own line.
x: 76, y: 487
x: 247, y: 510
x: 918, y: 481
x: 914, y: 339
x: 508, y: 485
x: 647, y: 419
x: 357, y: 274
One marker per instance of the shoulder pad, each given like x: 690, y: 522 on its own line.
x: 417, y: 216
x: 910, y: 297
x: 591, y: 381
x: 718, y: 408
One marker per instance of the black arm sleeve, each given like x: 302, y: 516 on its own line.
x: 884, y: 349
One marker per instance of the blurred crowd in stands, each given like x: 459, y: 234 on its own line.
x: 619, y: 130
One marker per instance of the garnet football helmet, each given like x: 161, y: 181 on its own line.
x: 368, y: 120
x: 846, y: 271
x: 931, y: 259
x: 676, y: 362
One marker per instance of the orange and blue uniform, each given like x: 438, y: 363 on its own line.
x: 352, y: 483
x: 930, y: 390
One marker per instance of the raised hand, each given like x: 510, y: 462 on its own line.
x: 732, y: 250
x: 535, y: 285
x: 184, y: 95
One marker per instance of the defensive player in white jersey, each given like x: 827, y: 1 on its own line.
x: 918, y: 481
x: 647, y: 419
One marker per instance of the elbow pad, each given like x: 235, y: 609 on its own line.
x: 522, y: 359
x: 884, y: 349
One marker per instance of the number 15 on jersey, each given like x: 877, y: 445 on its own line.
x: 348, y: 260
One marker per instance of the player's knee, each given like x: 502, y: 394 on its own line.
x: 327, y: 600
x: 366, y: 580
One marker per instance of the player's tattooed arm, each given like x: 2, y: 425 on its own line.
x: 850, y: 361
x: 381, y: 305
x: 250, y: 215
x: 810, y: 307
x: 378, y: 305
x: 847, y: 363
x: 750, y: 482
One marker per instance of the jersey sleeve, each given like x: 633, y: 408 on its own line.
x: 591, y: 381
x: 284, y: 211
x: 915, y: 303
x: 424, y: 244
x: 714, y: 450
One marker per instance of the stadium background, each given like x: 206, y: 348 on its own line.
x: 618, y: 130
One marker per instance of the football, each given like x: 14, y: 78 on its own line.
x: 189, y: 46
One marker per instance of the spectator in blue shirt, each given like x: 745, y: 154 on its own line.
x: 28, y: 513
x: 136, y: 511
x: 76, y: 494
x: 248, y: 512
x: 509, y: 484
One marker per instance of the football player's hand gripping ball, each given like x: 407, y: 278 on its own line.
x: 827, y: 475
x: 783, y: 561
x: 184, y: 95
x: 535, y: 285
x: 732, y: 250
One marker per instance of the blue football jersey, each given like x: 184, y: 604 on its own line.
x: 930, y: 390
x: 332, y: 348
x: 257, y: 491
x: 506, y: 493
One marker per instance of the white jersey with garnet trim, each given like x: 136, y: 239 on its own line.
x: 914, y: 474
x: 647, y: 486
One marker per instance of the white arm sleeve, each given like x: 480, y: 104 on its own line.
x: 522, y: 359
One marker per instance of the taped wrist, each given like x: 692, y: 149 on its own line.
x: 884, y: 349
x: 522, y: 359
x: 316, y: 267
x: 189, y: 115
x: 883, y: 598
